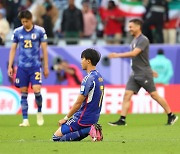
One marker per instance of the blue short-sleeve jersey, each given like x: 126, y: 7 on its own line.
x: 29, y: 45
x: 92, y: 87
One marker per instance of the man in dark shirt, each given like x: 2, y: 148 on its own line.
x: 72, y: 23
x: 142, y: 75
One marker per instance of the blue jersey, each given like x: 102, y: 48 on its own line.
x: 92, y: 87
x: 29, y: 45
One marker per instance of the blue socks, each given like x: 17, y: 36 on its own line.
x: 38, y: 98
x: 73, y: 136
x: 24, y: 105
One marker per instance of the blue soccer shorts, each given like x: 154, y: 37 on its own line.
x: 25, y: 76
x: 71, y: 126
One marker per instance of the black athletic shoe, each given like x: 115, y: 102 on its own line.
x: 118, y: 123
x: 172, y: 119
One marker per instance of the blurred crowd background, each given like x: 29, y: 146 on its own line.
x: 94, y: 21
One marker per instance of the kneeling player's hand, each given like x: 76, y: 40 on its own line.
x: 62, y: 121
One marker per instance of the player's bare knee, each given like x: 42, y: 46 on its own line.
x: 127, y: 96
x: 36, y: 88
x: 24, y: 90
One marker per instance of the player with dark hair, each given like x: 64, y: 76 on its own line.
x: 86, y: 110
x: 142, y: 75
x: 29, y: 38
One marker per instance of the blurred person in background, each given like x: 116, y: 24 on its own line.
x: 48, y: 24
x: 112, y: 19
x: 89, y: 19
x: 156, y: 15
x: 72, y: 25
x: 162, y: 68
x: 4, y: 27
x: 65, y: 71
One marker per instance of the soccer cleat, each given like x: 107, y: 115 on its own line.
x: 25, y: 123
x: 118, y: 123
x: 172, y: 119
x: 40, y: 119
x: 96, y: 132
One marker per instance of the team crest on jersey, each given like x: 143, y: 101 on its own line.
x: 45, y: 36
x: 33, y: 36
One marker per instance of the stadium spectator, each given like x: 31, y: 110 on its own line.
x: 162, y: 67
x: 112, y: 19
x: 156, y: 15
x: 70, y: 72
x: 170, y: 31
x: 53, y: 12
x: 48, y: 24
x: 142, y: 75
x: 89, y: 19
x: 28, y: 38
x: 4, y: 27
x: 72, y: 23
x: 12, y: 8
x: 37, y: 10
x: 86, y: 110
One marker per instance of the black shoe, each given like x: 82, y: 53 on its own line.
x: 172, y: 119
x: 118, y: 123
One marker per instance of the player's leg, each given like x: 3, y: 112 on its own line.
x: 35, y: 79
x: 71, y: 131
x: 22, y: 82
x: 24, y: 106
x: 172, y: 118
x: 131, y: 88
x: 38, y: 98
x: 149, y: 85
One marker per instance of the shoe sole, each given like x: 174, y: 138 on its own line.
x: 116, y: 124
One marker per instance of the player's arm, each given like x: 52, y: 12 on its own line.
x: 132, y: 53
x: 11, y: 59
x: 74, y: 108
x: 45, y: 58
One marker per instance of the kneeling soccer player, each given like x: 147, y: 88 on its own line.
x: 86, y: 110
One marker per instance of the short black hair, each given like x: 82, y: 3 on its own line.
x: 92, y: 55
x: 25, y: 14
x: 137, y: 22
x: 160, y: 52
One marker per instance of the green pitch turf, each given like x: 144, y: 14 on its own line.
x: 145, y: 134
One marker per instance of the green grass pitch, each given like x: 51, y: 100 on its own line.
x: 144, y: 134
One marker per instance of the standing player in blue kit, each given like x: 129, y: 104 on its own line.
x: 28, y: 38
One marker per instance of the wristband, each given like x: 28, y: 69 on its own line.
x: 66, y: 117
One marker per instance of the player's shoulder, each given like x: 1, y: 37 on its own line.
x: 144, y: 38
x: 18, y: 29
x: 39, y: 28
x: 93, y: 75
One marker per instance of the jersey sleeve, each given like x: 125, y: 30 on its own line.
x: 142, y: 44
x: 43, y: 35
x: 14, y: 37
x: 86, y: 86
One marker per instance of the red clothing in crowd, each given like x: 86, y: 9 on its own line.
x: 75, y: 79
x: 112, y: 26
